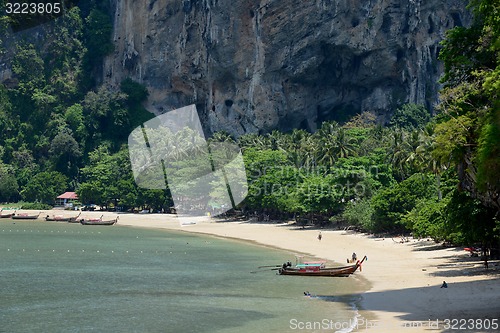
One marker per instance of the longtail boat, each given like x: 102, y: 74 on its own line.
x: 75, y: 219
x: 25, y: 216
x: 98, y: 221
x: 7, y: 215
x: 61, y: 218
x: 319, y: 269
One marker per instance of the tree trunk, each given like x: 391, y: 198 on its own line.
x: 438, y: 181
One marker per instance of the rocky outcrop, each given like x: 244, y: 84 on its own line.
x: 258, y: 65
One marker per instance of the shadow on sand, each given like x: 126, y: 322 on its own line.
x: 434, y: 302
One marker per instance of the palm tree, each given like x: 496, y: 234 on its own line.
x: 300, y: 148
x: 398, y: 152
x: 414, y: 143
x: 326, y: 138
x: 309, y: 149
x: 334, y: 143
x: 424, y: 158
x: 222, y: 136
x: 251, y: 140
x: 344, y: 143
x: 327, y: 153
x: 277, y: 140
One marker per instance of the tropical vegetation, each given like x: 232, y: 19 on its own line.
x: 431, y: 175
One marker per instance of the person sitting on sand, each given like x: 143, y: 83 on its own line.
x: 306, y: 293
x: 354, y: 257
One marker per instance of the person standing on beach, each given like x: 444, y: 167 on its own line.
x: 320, y: 236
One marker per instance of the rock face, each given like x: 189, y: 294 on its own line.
x: 259, y: 65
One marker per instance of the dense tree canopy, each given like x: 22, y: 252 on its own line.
x: 469, y: 127
x: 433, y: 176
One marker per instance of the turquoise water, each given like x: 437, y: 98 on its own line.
x: 60, y: 277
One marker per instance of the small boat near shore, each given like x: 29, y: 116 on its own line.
x: 25, y: 216
x: 319, y: 269
x: 61, y: 218
x: 6, y: 215
x: 98, y: 221
x: 75, y: 219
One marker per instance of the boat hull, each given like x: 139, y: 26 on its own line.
x: 26, y: 217
x: 53, y: 219
x: 326, y: 272
x: 90, y: 222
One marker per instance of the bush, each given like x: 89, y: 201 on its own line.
x: 135, y: 91
x: 45, y: 187
x: 410, y: 116
x: 391, y: 204
x: 35, y: 206
x: 359, y: 213
x: 427, y: 218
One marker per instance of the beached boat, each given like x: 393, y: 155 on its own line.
x: 98, y: 221
x: 75, y: 219
x: 319, y: 269
x: 6, y: 215
x: 61, y: 218
x: 25, y: 216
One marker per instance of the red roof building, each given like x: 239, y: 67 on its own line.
x: 66, y: 198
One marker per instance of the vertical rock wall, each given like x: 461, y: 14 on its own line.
x: 258, y: 65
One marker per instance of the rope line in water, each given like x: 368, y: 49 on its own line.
x: 72, y: 251
x: 58, y: 232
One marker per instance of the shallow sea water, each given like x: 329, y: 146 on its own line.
x: 61, y: 277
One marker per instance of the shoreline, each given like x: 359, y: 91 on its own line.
x: 404, y: 278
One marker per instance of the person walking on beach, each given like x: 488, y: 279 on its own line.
x: 320, y: 236
x: 354, y: 257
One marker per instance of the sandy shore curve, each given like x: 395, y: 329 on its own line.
x: 406, y: 277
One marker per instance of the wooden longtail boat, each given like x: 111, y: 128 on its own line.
x: 99, y: 221
x: 24, y: 216
x: 60, y: 218
x: 318, y: 269
x: 6, y: 216
x: 75, y: 219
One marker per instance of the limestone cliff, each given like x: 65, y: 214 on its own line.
x: 257, y: 65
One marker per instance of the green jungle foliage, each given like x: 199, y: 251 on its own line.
x: 60, y: 130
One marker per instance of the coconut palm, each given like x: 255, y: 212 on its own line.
x: 398, y: 152
x: 251, y: 140
x: 222, y: 136
x: 424, y: 159
x: 277, y: 140
x: 326, y: 138
x: 334, y: 143
x: 300, y: 148
x: 345, y: 144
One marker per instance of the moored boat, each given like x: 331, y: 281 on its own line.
x: 98, y: 221
x: 6, y: 215
x: 61, y: 218
x: 25, y: 216
x: 75, y: 219
x: 319, y: 269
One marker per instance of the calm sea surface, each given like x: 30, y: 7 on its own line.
x: 60, y: 277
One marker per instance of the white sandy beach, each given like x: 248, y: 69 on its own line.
x: 405, y: 277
